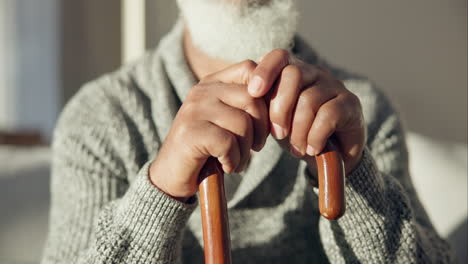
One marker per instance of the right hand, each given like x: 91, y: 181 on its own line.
x: 218, y: 119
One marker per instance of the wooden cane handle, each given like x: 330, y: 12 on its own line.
x: 331, y: 177
x: 217, y: 243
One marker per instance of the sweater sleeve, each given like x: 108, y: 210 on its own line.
x: 101, y: 211
x: 384, y: 220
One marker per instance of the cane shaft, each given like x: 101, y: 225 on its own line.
x: 214, y: 215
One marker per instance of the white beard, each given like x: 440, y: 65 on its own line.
x: 236, y: 32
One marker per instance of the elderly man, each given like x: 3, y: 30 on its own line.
x: 129, y: 147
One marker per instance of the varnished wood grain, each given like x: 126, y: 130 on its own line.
x: 217, y: 243
x: 331, y: 177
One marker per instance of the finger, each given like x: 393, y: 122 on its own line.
x: 267, y: 72
x: 239, y: 73
x: 308, y: 104
x: 331, y: 116
x: 311, y: 74
x: 219, y: 143
x: 235, y: 96
x: 302, y: 122
x: 352, y: 135
x: 237, y: 122
x: 256, y: 107
x: 283, y: 101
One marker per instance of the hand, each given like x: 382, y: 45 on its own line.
x: 218, y: 118
x: 307, y: 105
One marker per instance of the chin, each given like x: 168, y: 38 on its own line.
x: 234, y: 34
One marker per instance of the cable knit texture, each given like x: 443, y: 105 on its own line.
x: 105, y: 210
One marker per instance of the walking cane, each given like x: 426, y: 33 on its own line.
x: 217, y: 247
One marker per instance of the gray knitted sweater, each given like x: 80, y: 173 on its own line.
x: 105, y: 210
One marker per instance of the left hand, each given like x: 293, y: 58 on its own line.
x: 306, y: 106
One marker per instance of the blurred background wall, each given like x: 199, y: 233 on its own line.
x: 416, y: 51
x: 91, y: 41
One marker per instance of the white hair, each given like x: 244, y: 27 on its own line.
x: 243, y: 30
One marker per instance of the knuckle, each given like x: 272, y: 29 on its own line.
x: 306, y: 98
x: 328, y: 115
x: 253, y: 104
x: 278, y: 116
x: 293, y: 72
x: 339, y: 85
x: 250, y: 104
x: 339, y: 105
x: 281, y: 53
x: 188, y: 110
x: 350, y: 103
x: 228, y: 139
x: 183, y: 129
x: 248, y: 65
x: 244, y: 123
x: 354, y: 100
x: 218, y: 140
x: 355, y: 110
x: 262, y: 71
x: 196, y: 91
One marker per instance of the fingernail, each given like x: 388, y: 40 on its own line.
x: 296, y: 151
x: 277, y: 131
x: 255, y: 85
x: 310, y: 151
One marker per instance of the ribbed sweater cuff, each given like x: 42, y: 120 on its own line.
x: 364, y: 191
x: 154, y: 220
